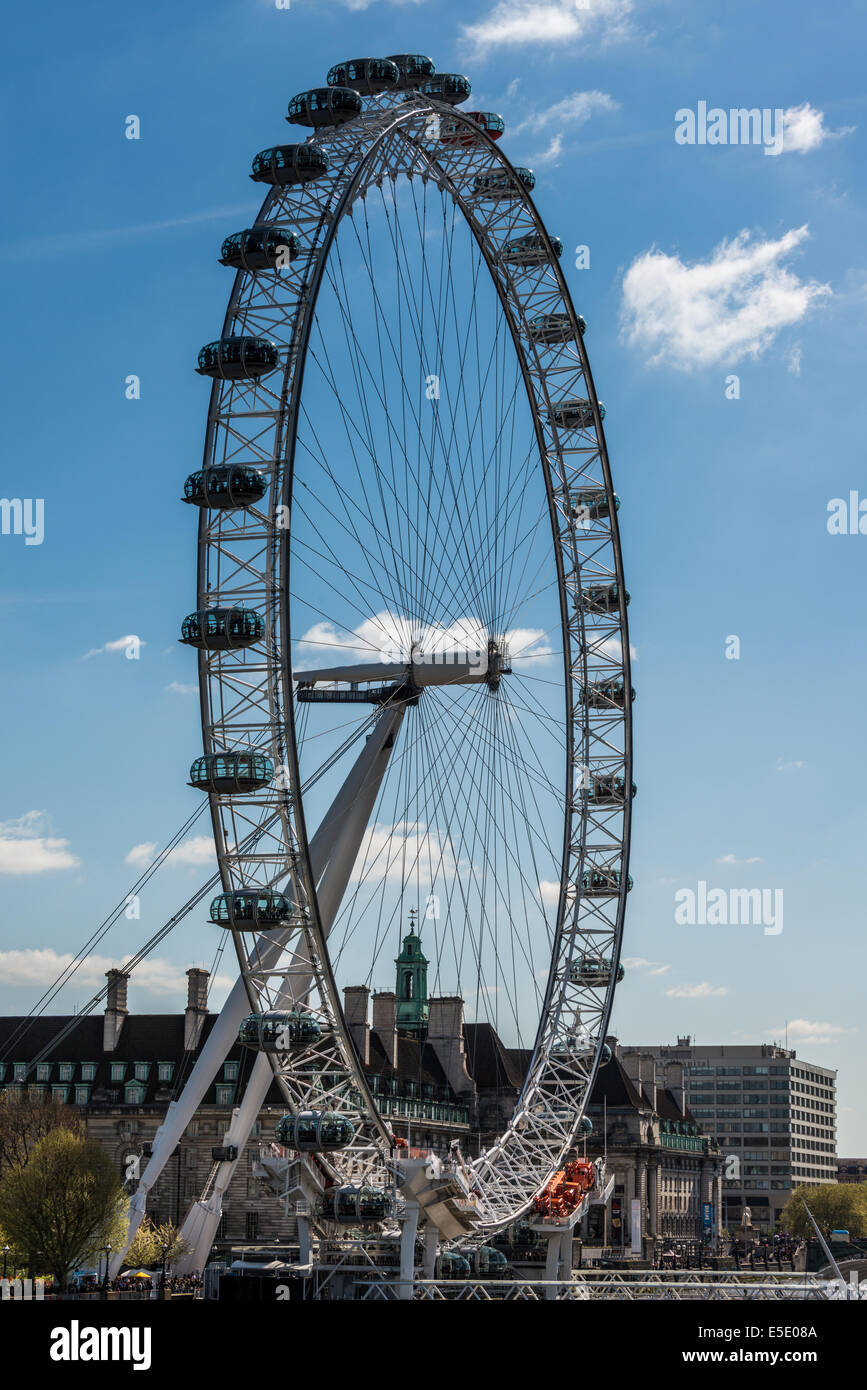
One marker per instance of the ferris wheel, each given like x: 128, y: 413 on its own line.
x: 411, y: 626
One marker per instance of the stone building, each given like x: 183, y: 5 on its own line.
x: 660, y: 1159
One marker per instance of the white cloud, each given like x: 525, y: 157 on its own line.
x: 517, y: 23
x: 812, y: 1032
x: 702, y: 991
x: 199, y: 849
x: 793, y: 766
x: 131, y: 643
x: 804, y: 130
x: 365, y: 4
x: 730, y: 859
x: 549, y: 893
x: 42, y: 966
x: 176, y: 688
x: 719, y: 310
x: 794, y: 356
x: 387, y: 851
x: 26, y: 849
x: 574, y: 110
x: 550, y: 154
x: 652, y: 967
x: 391, y: 638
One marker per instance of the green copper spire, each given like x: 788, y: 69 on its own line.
x: 411, y: 987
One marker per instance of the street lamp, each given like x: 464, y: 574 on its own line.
x: 165, y: 1249
x: 105, y: 1277
x: 6, y: 1249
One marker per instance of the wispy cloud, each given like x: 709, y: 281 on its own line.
x: 730, y: 306
x: 793, y: 765
x: 519, y: 23
x: 25, y: 848
x: 573, y: 110
x: 131, y: 643
x: 811, y: 1031
x: 804, y: 130
x: 702, y: 991
x: 738, y: 863
x: 177, y: 688
x: 98, y: 238
x: 199, y: 849
x: 653, y: 967
x: 35, y: 967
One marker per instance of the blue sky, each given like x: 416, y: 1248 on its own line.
x: 705, y: 261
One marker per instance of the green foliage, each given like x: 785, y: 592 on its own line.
x: 835, y: 1206
x: 147, y: 1245
x: 62, y: 1205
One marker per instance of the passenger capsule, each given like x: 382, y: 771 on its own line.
x: 602, y: 598
x: 226, y: 486
x: 591, y: 504
x: 608, y: 790
x: 222, y: 629
x: 605, y: 694
x: 455, y: 132
x: 594, y: 970
x: 450, y: 87
x: 314, y: 1131
x: 251, y: 909
x: 489, y: 1262
x: 501, y: 184
x: 585, y: 1126
x: 450, y: 1265
x: 575, y: 414
x: 605, y: 1055
x: 602, y: 883
x: 325, y: 106
x: 552, y: 328
x: 228, y: 773
x: 531, y: 249
x: 238, y: 358
x: 274, y: 1032
x: 260, y: 248
x: 369, y: 76
x: 414, y: 69
x: 289, y: 164
x: 352, y: 1206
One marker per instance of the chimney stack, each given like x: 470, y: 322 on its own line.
x: 197, y: 1007
x: 674, y: 1084
x: 445, y: 1034
x: 385, y: 1023
x: 355, y: 1000
x: 115, y: 1008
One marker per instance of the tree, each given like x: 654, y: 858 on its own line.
x: 835, y: 1206
x: 147, y: 1244
x: 24, y: 1120
x: 62, y: 1204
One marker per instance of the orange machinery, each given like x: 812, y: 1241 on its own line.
x: 566, y: 1189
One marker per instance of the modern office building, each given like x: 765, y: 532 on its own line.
x: 772, y: 1114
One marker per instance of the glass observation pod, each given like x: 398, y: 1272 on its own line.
x: 350, y: 1205
x: 575, y: 414
x: 490, y: 1262
x: 500, y: 184
x: 222, y: 629
x: 605, y: 1055
x: 453, y: 132
x: 531, y: 249
x: 449, y: 87
x: 288, y: 164
x: 603, y: 883
x: 226, y: 486
x: 238, y: 359
x: 314, y: 1131
x: 325, y: 106
x: 607, y: 790
x: 451, y: 1265
x: 604, y: 694
x: 592, y: 503
x: 279, y: 1032
x: 259, y: 248
x: 414, y: 69
x: 228, y: 773
x: 604, y: 598
x: 369, y: 76
x: 248, y: 910
x: 552, y: 328
x: 585, y: 1126
x: 594, y: 971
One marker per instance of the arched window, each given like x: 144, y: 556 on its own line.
x: 407, y: 985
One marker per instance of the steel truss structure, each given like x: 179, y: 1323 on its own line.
x: 249, y: 696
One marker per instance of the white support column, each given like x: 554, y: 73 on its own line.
x: 407, y: 1250
x: 431, y: 1250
